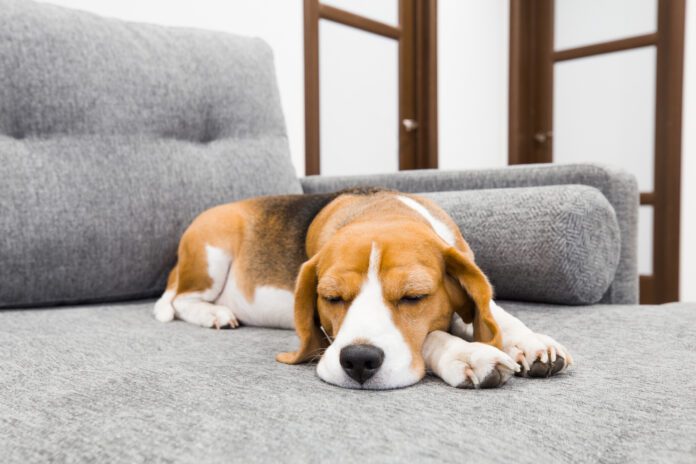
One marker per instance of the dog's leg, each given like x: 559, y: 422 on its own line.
x: 202, y: 274
x: 461, y: 329
x: 538, y: 355
x: 465, y: 364
x: 195, y: 282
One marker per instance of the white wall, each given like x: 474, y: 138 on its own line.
x: 688, y: 203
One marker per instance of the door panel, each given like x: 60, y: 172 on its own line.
x: 607, y: 88
x: 360, y: 70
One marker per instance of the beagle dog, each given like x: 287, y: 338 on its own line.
x: 380, y: 287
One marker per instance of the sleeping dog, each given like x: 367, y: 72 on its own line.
x: 380, y: 287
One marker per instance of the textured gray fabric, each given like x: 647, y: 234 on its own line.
x: 619, y: 187
x: 111, y: 384
x: 113, y: 136
x: 556, y: 244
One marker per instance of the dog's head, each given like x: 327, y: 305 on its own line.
x: 365, y: 303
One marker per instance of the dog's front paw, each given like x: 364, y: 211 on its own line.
x: 476, y: 365
x: 538, y: 355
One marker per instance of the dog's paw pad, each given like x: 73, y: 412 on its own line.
x: 492, y: 380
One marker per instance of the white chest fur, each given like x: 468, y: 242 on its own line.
x: 269, y: 306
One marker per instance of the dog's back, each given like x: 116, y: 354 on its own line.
x: 245, y: 255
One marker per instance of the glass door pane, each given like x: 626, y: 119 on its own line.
x: 386, y: 11
x: 604, y: 112
x: 358, y: 78
x: 645, y: 240
x: 585, y: 22
x: 473, y: 83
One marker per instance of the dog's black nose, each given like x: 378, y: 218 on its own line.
x: 361, y: 361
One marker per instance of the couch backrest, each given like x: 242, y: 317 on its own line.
x: 113, y: 136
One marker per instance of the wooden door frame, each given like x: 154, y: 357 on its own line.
x: 417, y: 38
x: 663, y: 286
x: 532, y: 58
x: 530, y: 97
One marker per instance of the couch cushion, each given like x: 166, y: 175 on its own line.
x: 555, y: 244
x: 111, y: 384
x: 113, y: 136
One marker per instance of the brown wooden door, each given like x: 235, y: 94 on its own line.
x: 534, y: 65
x: 417, y: 76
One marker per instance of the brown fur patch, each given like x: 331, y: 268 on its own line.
x: 265, y: 237
x: 275, y: 248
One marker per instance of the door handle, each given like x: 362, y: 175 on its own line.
x: 543, y: 137
x: 410, y: 125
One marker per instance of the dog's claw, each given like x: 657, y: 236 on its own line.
x: 523, y: 365
x: 558, y: 365
x: 469, y: 373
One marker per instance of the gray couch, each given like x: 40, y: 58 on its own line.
x: 113, y: 136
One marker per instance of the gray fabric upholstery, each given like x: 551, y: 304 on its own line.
x: 619, y: 187
x: 111, y: 384
x: 556, y: 244
x: 113, y: 136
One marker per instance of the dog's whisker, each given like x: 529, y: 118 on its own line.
x: 316, y: 354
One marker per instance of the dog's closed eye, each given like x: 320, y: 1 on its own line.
x: 411, y: 299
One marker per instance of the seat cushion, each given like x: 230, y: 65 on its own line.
x: 111, y: 384
x: 555, y: 244
x: 113, y: 136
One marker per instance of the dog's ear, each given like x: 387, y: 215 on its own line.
x: 306, y: 318
x: 476, y: 304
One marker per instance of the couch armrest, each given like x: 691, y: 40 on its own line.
x: 619, y: 188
